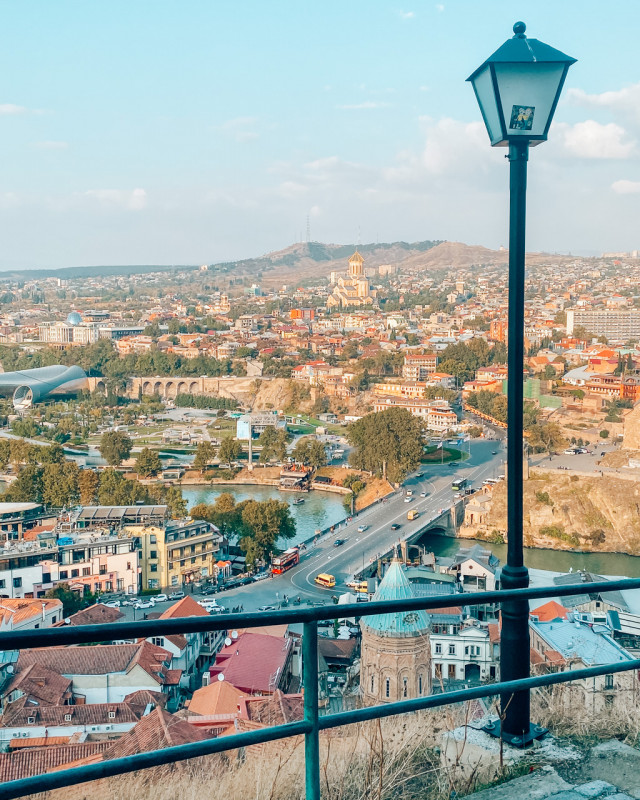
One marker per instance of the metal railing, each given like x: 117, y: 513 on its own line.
x: 311, y: 725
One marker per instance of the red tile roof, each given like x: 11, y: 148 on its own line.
x: 276, y: 709
x: 89, y: 714
x: 33, y: 761
x: 550, y: 611
x: 253, y: 663
x: 155, y: 731
x: 219, y: 697
x: 97, y: 614
x: 21, y: 611
x: 40, y: 685
x: 38, y: 741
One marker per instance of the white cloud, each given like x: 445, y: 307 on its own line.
x: 367, y: 104
x: 51, y: 145
x: 439, y: 7
x: 622, y: 102
x: 626, y: 187
x: 134, y: 200
x: 406, y: 14
x: 10, y: 108
x: 591, y: 139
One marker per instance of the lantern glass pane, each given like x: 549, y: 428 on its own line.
x: 527, y: 94
x: 488, y: 103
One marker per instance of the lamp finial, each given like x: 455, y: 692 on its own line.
x: 519, y: 28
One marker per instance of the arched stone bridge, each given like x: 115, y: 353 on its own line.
x: 170, y: 388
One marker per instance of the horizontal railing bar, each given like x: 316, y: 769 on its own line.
x: 155, y: 758
x: 81, y: 634
x: 462, y: 695
x: 106, y: 769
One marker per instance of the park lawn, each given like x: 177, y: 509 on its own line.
x: 434, y: 455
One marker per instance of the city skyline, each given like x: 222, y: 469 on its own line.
x: 201, y: 134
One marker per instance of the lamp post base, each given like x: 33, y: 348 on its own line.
x: 522, y: 741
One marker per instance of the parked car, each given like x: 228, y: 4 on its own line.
x: 267, y: 608
x: 362, y: 528
x: 160, y: 598
x: 570, y: 452
x: 144, y: 604
x: 176, y: 595
x: 210, y: 590
x: 112, y: 604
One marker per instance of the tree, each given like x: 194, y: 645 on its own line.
x: 88, y: 487
x: 148, y: 463
x: 27, y: 488
x: 387, y: 442
x: 604, y: 433
x: 224, y: 514
x: 71, y: 601
x: 273, y: 443
x: 205, y: 453
x: 60, y: 484
x: 549, y: 372
x: 264, y: 524
x: 115, y: 447
x: 310, y: 451
x: 230, y: 450
x: 546, y: 437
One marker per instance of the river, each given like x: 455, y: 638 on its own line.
x: 553, y: 560
x: 319, y: 510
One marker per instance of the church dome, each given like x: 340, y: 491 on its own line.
x: 395, y: 586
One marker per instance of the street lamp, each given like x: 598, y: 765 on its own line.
x: 517, y: 89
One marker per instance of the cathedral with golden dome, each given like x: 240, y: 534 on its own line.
x: 352, y: 289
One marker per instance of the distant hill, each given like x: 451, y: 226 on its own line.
x: 67, y: 273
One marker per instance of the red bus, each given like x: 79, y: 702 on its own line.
x: 285, y: 561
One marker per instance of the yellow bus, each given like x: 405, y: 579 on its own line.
x: 413, y: 514
x: 325, y: 580
x: 360, y: 586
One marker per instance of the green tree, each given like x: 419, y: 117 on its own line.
x: 205, y: 453
x: 310, y: 451
x: 27, y: 488
x: 265, y: 522
x: 387, y: 442
x: 546, y: 437
x: 71, y: 601
x: 273, y: 443
x: 60, y: 484
x: 604, y: 433
x: 148, y: 463
x: 115, y: 447
x: 88, y: 487
x: 230, y: 450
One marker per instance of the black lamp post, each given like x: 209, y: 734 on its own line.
x: 517, y: 88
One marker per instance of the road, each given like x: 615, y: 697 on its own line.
x: 486, y: 461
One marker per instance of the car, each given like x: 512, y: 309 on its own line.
x: 268, y: 608
x: 570, y: 452
x: 144, y: 604
x: 458, y: 495
x: 131, y: 601
x: 176, y: 595
x: 160, y: 598
x: 423, y: 494
x: 494, y: 452
x: 396, y: 526
x: 409, y: 492
x: 408, y: 499
x: 582, y: 450
x: 362, y: 598
x: 112, y: 604
x: 339, y: 542
x: 362, y: 528
x: 209, y: 590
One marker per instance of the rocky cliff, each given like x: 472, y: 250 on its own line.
x: 569, y: 512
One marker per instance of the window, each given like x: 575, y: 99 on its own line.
x: 31, y: 720
x: 128, y: 565
x: 438, y: 670
x: 405, y: 687
x: 608, y: 681
x: 17, y: 583
x: 75, y: 573
x: 112, y: 715
x: 452, y: 649
x: 86, y: 571
x: 153, y: 567
x: 438, y: 649
x: 387, y: 688
x: 103, y: 570
x: 46, y: 577
x: 420, y: 685
x: 120, y: 584
x: 67, y: 717
x: 608, y: 701
x: 158, y: 641
x: 64, y: 574
x: 2, y: 584
x: 174, y: 580
x: 108, y: 586
x: 153, y: 554
x: 452, y: 672
x: 152, y: 539
x: 373, y: 683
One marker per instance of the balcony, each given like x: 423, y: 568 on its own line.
x: 312, y: 724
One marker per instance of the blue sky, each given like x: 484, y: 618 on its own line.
x: 153, y: 131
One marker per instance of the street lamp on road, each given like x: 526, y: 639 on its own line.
x: 517, y: 89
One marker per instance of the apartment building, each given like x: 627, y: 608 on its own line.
x: 616, y: 324
x: 418, y: 367
x: 177, y: 552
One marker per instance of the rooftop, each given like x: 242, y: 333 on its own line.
x: 572, y: 640
x: 395, y: 586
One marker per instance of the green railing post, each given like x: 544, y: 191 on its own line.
x: 310, y: 685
